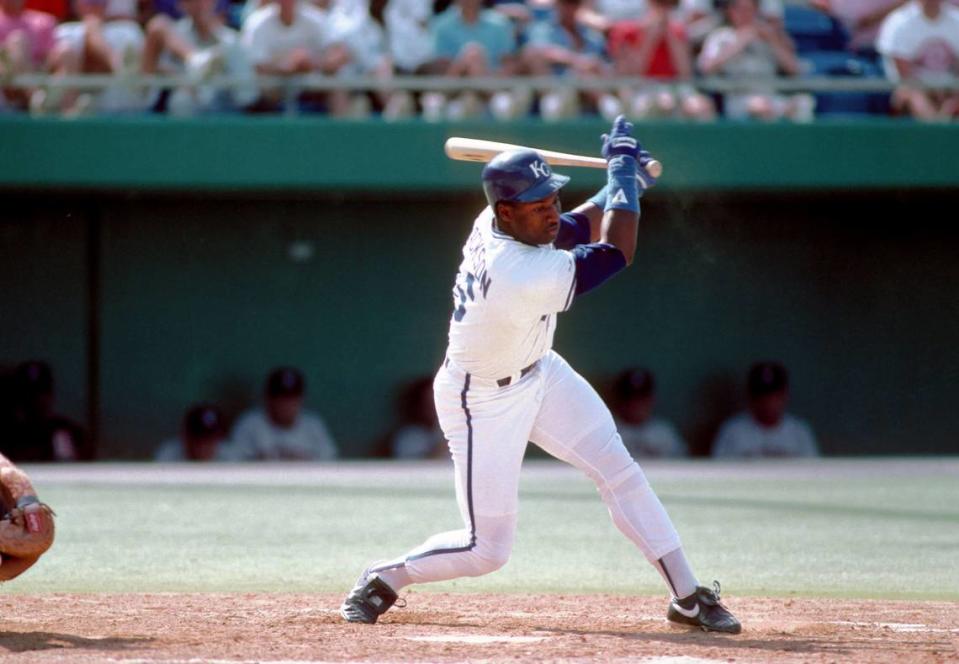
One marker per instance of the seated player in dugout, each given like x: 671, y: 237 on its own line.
x: 644, y: 434
x: 35, y: 432
x: 26, y: 524
x: 203, y: 437
x: 283, y: 429
x: 418, y: 434
x: 765, y: 429
x: 501, y: 385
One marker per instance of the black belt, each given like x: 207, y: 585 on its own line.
x: 503, y: 382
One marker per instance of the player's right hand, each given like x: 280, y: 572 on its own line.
x: 620, y: 141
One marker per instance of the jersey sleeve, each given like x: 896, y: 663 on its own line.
x: 595, y: 264
x: 573, y: 229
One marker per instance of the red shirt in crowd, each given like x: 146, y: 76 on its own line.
x: 627, y: 36
x: 59, y: 8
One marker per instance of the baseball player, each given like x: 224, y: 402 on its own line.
x: 501, y: 385
x: 26, y: 524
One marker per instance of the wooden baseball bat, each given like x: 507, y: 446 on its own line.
x: 477, y: 149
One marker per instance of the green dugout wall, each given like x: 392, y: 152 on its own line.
x: 155, y: 263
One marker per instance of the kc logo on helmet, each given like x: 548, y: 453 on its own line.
x: 540, y: 169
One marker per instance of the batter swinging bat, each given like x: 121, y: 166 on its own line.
x: 476, y: 149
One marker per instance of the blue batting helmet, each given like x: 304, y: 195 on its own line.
x: 519, y: 175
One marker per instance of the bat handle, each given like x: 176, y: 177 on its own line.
x: 652, y: 166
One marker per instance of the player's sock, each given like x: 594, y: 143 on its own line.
x: 396, y: 578
x: 677, y: 573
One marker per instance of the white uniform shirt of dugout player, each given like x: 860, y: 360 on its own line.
x: 502, y: 385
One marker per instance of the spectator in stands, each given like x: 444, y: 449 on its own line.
x: 199, y: 45
x: 107, y: 39
x: 174, y: 9
x: 470, y: 41
x: 750, y: 47
x: 602, y: 14
x: 26, y: 43
x: 643, y: 434
x: 283, y: 429
x: 418, y: 435
x: 58, y: 9
x: 410, y: 39
x: 202, y: 437
x: 35, y: 432
x: 861, y: 18
x: 291, y: 37
x: 365, y: 35
x: 562, y: 46
x: 766, y: 430
x: 919, y: 43
x: 703, y: 16
x: 655, y: 46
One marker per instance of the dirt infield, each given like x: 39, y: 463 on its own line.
x: 453, y: 627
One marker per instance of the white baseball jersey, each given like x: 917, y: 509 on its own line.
x: 505, y: 301
x: 257, y: 438
x: 743, y: 436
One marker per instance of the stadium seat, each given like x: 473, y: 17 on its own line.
x: 813, y: 30
x: 842, y: 64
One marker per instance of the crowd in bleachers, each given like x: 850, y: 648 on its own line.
x: 666, y: 46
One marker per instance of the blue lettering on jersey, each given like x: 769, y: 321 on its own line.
x: 475, y: 274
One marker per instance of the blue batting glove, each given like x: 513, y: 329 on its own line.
x: 619, y: 141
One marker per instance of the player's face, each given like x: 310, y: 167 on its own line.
x: 638, y: 409
x: 534, y: 223
x: 284, y: 410
x: 770, y: 408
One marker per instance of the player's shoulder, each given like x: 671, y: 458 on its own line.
x: 310, y: 418
x: 738, y: 423
x: 252, y: 418
x: 169, y: 450
x: 796, y: 423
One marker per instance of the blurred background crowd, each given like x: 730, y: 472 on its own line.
x: 547, y: 58
x: 281, y: 428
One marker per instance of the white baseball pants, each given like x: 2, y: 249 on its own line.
x: 488, y: 427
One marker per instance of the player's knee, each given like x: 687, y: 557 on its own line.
x: 494, y: 543
x: 491, y: 559
x: 606, y: 458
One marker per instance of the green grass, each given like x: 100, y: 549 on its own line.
x: 872, y: 534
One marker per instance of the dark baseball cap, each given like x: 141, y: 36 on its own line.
x: 203, y: 421
x: 285, y: 382
x: 34, y: 377
x: 636, y: 382
x: 766, y: 378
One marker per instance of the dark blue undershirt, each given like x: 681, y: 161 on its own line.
x: 595, y: 262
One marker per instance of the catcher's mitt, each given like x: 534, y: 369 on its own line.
x: 26, y: 531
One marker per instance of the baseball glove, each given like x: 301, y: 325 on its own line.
x: 27, y: 531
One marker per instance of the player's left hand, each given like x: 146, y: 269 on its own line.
x: 620, y: 141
